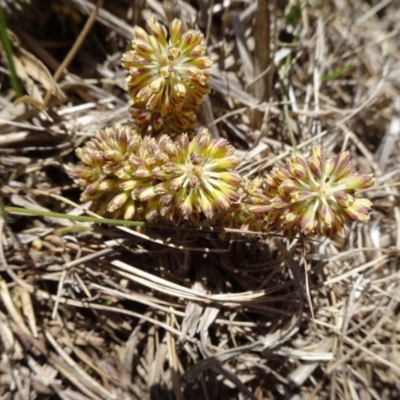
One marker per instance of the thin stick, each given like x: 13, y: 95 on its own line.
x: 75, y: 48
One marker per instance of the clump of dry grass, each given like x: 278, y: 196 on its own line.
x: 91, y: 311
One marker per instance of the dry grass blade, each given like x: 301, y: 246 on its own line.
x: 264, y: 41
x: 391, y: 136
x: 170, y: 288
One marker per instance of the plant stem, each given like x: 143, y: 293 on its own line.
x: 286, y: 115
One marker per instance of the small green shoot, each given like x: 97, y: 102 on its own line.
x: 338, y: 73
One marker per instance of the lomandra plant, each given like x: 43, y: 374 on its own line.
x: 178, y: 179
x: 134, y: 174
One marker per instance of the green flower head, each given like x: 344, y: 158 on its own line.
x: 166, y: 73
x: 197, y: 180
x: 158, y: 178
x: 314, y: 195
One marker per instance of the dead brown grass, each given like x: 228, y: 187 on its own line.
x: 95, y: 312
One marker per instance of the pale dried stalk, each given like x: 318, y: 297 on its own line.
x: 262, y: 55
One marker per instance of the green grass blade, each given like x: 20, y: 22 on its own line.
x: 338, y: 73
x: 15, y: 82
x: 78, y: 218
x: 108, y: 221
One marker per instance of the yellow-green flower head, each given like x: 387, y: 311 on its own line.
x: 148, y: 178
x: 316, y: 195
x: 197, y: 180
x: 166, y: 73
x: 137, y: 179
x: 102, y: 161
x: 102, y: 157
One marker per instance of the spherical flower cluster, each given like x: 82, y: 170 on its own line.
x: 197, y: 179
x: 100, y: 167
x: 167, y: 75
x: 314, y: 196
x: 148, y: 178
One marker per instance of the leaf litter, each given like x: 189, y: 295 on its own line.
x: 101, y: 312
